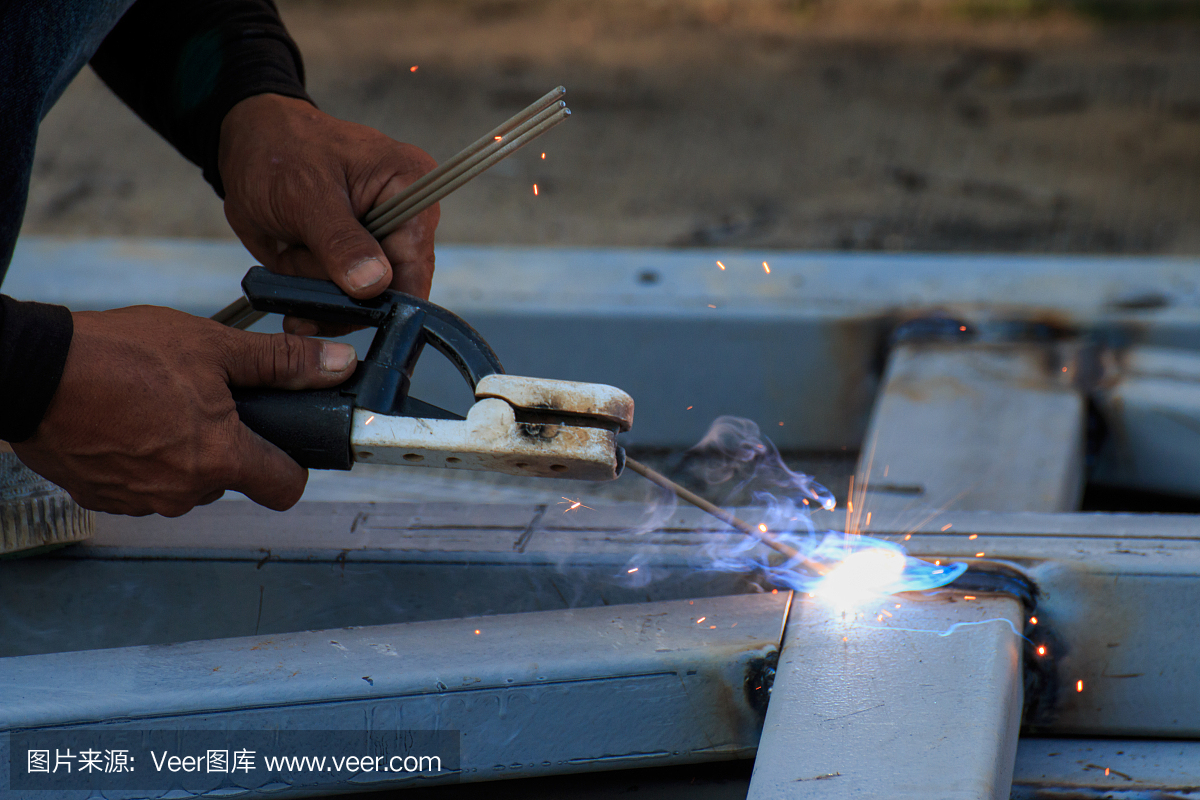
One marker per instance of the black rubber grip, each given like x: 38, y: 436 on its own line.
x: 311, y: 427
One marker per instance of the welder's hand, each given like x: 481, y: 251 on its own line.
x: 297, y: 182
x: 143, y: 420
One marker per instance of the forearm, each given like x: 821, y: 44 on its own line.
x: 181, y: 65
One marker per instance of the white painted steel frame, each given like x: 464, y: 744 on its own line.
x: 920, y: 698
x: 532, y: 694
x: 800, y: 346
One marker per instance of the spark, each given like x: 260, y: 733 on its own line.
x: 774, y: 591
x: 979, y: 555
x: 1041, y: 650
x: 535, y: 190
x: 868, y: 513
x: 498, y: 138
x: 781, y: 424
x: 1079, y: 686
x: 413, y: 68
x: 631, y: 571
x: 701, y: 620
x: 861, y: 574
x: 907, y: 536
x: 766, y: 269
x: 973, y: 536
x: 543, y: 156
x: 1064, y: 369
x: 477, y: 631
x: 710, y: 305
x: 571, y: 505
x: 712, y: 627
x: 762, y: 527
x: 722, y: 266
x: 968, y: 597
x: 897, y: 605
x: 1033, y: 620
x: 1106, y: 772
x: 962, y: 327
x: 947, y: 526
x: 370, y: 419
x: 689, y: 408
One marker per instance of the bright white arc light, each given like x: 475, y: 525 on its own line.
x: 862, y: 576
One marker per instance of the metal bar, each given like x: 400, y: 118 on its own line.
x: 982, y: 427
x: 1101, y: 769
x: 1116, y: 611
x: 816, y: 314
x: 921, y: 701
x: 532, y: 694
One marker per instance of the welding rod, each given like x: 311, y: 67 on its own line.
x: 766, y: 538
x: 469, y: 169
x: 499, y: 143
x: 530, y: 111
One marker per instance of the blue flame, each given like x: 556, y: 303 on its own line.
x: 852, y: 566
x: 736, y: 460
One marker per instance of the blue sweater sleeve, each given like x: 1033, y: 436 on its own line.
x: 182, y: 64
x: 34, y: 341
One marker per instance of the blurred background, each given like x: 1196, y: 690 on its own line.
x: 895, y: 125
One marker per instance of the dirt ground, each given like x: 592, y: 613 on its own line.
x: 979, y: 125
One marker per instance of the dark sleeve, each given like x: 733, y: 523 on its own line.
x: 34, y: 340
x: 182, y: 64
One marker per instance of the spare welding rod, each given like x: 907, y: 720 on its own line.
x: 499, y: 143
x: 766, y: 538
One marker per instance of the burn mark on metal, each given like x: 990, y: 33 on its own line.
x: 989, y: 577
x: 760, y: 677
x: 1040, y: 670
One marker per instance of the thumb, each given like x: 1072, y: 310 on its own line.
x: 285, y: 361
x: 348, y: 254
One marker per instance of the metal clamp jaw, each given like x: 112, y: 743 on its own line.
x: 520, y: 426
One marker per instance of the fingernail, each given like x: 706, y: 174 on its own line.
x: 303, y: 327
x: 336, y: 357
x: 365, y: 273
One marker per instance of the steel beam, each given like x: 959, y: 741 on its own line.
x: 1103, y: 769
x: 532, y: 694
x: 1116, y: 609
x: 920, y: 698
x: 1151, y: 403
x: 977, y: 427
x: 800, y: 346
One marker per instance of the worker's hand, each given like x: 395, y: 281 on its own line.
x: 297, y: 182
x: 143, y: 420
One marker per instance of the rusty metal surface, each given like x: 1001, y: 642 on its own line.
x: 912, y: 697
